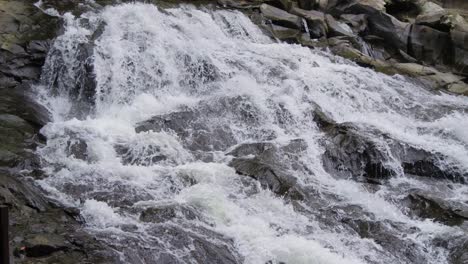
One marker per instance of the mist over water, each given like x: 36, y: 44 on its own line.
x: 177, y: 91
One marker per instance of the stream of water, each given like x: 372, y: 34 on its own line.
x: 146, y: 153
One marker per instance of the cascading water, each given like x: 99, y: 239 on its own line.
x: 186, y: 135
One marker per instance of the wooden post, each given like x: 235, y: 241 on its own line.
x: 4, y: 242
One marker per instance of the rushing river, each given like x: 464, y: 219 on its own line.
x: 186, y: 135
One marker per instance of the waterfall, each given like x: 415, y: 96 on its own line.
x: 185, y: 135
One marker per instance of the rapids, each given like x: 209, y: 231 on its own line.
x: 150, y: 104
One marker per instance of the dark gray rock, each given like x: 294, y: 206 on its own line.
x: 261, y: 162
x: 383, y: 233
x: 459, y: 252
x: 429, y: 45
x: 166, y: 213
x: 337, y: 28
x: 459, y: 36
x: 352, y: 151
x: 308, y: 4
x: 315, y: 21
x: 280, y: 17
x: 426, y: 205
x: 196, y: 134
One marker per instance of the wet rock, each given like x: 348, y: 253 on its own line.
x: 338, y: 28
x: 280, y: 17
x: 166, y: 213
x: 77, y: 148
x: 459, y: 254
x: 147, y: 156
x: 187, y: 125
x: 315, y: 21
x: 366, y: 155
x: 351, y: 154
x: 284, y: 33
x: 46, y: 233
x: 422, y: 163
x: 426, y: 205
x: 198, y: 71
x: 383, y: 233
x: 261, y: 162
x: 194, y: 244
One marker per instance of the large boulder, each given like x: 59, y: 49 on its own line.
x: 315, y: 21
x: 280, y: 17
x: 337, y: 28
x: 429, y: 45
x: 383, y: 25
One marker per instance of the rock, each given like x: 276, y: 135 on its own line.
x: 458, y: 88
x: 351, y: 154
x: 195, y: 133
x: 261, y: 162
x: 357, y: 22
x: 387, y: 27
x: 308, y: 4
x: 166, y: 213
x: 459, y: 37
x: 459, y: 253
x: 429, y: 45
x: 336, y: 28
x: 23, y: 26
x: 427, y: 205
x: 434, y: 20
x: 315, y: 21
x: 286, y: 4
x: 217, y: 249
x: 281, y: 17
x: 430, y: 8
x: 457, y: 4
x: 284, y: 34
x: 48, y: 234
x: 44, y: 245
x: 354, y: 152
x: 243, y: 4
x: 383, y: 234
